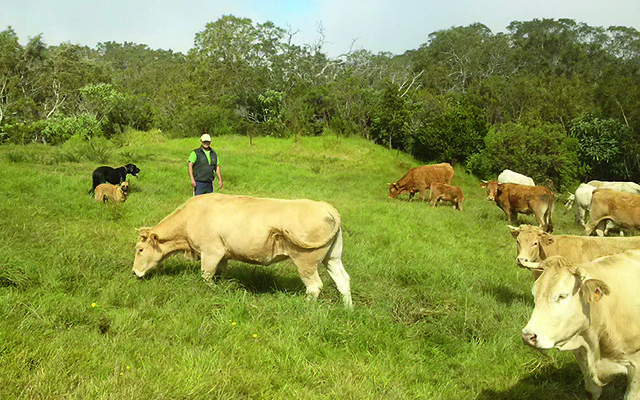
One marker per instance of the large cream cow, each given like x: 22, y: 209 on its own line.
x: 220, y: 227
x: 592, y: 310
x: 536, y: 245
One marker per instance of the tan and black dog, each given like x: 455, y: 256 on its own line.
x: 107, y: 192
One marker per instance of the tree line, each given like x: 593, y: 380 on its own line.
x: 554, y: 99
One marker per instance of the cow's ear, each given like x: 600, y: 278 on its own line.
x: 546, y: 239
x: 593, y: 290
x: 484, y: 184
x: 514, y: 231
x: 153, y: 238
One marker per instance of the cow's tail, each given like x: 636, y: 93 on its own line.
x: 549, y: 213
x: 592, y: 225
x: 332, y: 216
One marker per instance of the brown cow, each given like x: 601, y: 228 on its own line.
x: 419, y: 179
x: 611, y: 205
x: 513, y: 198
x: 536, y: 245
x: 442, y: 191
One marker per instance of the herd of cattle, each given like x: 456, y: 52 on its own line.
x: 585, y: 286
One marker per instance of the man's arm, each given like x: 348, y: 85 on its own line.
x: 219, y: 177
x: 193, y: 180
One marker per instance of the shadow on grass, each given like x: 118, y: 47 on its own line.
x: 554, y: 383
x: 280, y: 277
x: 508, y: 296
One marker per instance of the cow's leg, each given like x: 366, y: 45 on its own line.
x: 633, y: 383
x: 411, y: 194
x: 423, y: 194
x: 307, y: 263
x: 581, y: 214
x: 209, y: 262
x: 586, y: 363
x: 337, y: 272
x: 601, y: 228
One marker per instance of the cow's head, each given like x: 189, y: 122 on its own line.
x: 492, y: 189
x: 394, y: 190
x: 148, y: 252
x: 531, y: 242
x: 563, y: 298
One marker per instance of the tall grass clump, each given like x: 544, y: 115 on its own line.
x: 438, y: 301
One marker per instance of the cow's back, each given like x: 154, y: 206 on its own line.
x: 583, y: 249
x: 241, y: 221
x: 524, y: 196
x: 422, y: 177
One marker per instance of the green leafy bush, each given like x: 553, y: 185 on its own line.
x: 543, y: 152
x: 604, y: 148
x: 58, y: 130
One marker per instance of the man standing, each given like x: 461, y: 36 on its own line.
x: 203, y: 164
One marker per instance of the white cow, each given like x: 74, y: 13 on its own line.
x: 508, y: 176
x: 627, y: 187
x: 582, y: 201
x: 592, y: 310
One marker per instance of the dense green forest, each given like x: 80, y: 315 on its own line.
x: 554, y: 99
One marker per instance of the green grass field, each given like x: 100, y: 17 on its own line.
x: 438, y: 301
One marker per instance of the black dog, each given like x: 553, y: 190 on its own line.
x: 114, y: 176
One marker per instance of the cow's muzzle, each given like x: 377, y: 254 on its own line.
x: 530, y: 339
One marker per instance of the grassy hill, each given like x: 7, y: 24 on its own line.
x: 438, y: 301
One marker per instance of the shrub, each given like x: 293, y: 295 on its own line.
x: 543, y: 152
x: 600, y: 150
x: 58, y: 129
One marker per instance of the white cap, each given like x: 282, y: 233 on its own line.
x: 205, y: 138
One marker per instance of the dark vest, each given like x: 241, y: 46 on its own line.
x: 202, y: 170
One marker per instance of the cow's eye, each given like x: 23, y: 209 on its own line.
x: 562, y: 296
x: 535, y: 243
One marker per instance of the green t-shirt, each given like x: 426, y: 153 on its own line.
x: 193, y: 157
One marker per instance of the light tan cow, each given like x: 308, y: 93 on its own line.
x: 592, y: 310
x: 536, y: 245
x: 106, y: 192
x: 610, y: 205
x: 443, y: 192
x: 220, y: 227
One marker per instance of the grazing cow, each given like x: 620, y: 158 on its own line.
x: 220, y: 227
x: 442, y: 191
x: 513, y: 198
x: 610, y: 205
x: 115, y: 176
x: 536, y: 245
x: 627, y: 187
x: 419, y: 179
x: 592, y: 310
x: 508, y: 176
x: 116, y: 193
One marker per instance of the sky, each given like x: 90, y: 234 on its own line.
x: 393, y: 26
